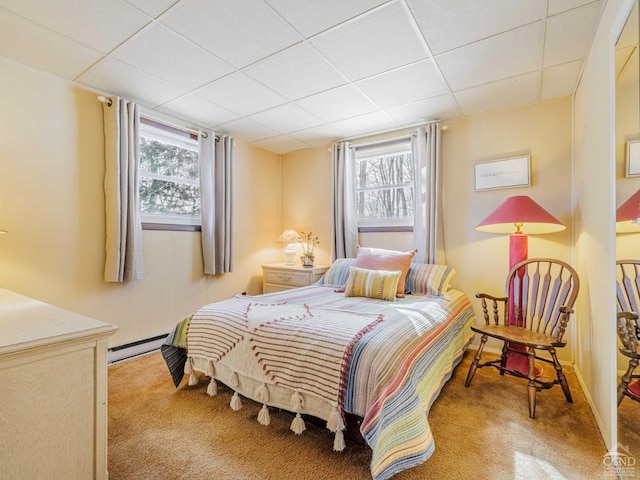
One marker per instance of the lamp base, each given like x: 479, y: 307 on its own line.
x: 290, y: 255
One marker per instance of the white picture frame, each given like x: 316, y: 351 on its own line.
x: 506, y: 173
x: 633, y: 158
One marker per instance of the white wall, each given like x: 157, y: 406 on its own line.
x: 52, y: 204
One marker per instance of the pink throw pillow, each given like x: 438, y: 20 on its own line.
x: 382, y: 259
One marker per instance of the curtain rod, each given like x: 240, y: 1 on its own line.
x: 204, y: 134
x: 394, y: 139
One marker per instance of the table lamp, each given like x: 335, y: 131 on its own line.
x: 628, y: 214
x: 525, y: 216
x: 289, y: 237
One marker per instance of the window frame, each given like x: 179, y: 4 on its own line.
x: 174, y: 136
x: 374, y: 150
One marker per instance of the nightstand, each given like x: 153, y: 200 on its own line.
x: 279, y: 276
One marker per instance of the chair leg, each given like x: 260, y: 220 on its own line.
x: 503, y: 357
x: 561, y: 378
x: 626, y: 379
x: 532, y: 389
x: 476, y: 360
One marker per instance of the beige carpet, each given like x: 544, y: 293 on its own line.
x: 482, y: 432
x: 629, y: 433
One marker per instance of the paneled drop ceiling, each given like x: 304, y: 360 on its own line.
x: 287, y: 75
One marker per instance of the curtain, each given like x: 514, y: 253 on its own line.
x: 428, y: 230
x: 216, y: 168
x: 344, y: 221
x: 123, y: 244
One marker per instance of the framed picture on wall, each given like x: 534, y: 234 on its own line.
x: 506, y: 173
x: 633, y: 158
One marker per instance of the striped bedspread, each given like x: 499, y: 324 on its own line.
x: 395, y: 369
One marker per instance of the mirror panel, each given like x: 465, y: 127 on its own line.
x: 627, y: 65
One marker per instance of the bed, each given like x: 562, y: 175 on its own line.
x: 322, y: 352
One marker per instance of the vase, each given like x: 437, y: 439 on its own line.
x: 307, y: 261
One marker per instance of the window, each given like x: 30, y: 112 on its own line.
x: 169, y: 175
x: 384, y: 185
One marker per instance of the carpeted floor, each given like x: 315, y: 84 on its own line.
x: 482, y: 432
x: 629, y: 433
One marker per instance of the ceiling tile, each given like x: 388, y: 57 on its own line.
x: 561, y: 80
x: 241, y: 94
x: 404, y: 85
x: 442, y: 107
x: 511, y: 92
x: 198, y: 110
x: 374, y: 43
x: 170, y: 57
x: 366, y: 124
x: 337, y: 104
x: 153, y: 8
x: 113, y: 77
x: 247, y: 130
x: 238, y: 32
x: 569, y: 35
x: 286, y: 118
x: 297, y: 72
x: 310, y: 17
x: 559, y: 6
x: 450, y: 24
x: 29, y: 43
x: 282, y: 144
x: 318, y: 136
x: 629, y: 35
x: 102, y: 25
x: 511, y: 53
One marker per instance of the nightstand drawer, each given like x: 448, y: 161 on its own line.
x: 287, y: 278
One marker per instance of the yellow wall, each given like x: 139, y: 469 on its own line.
x: 52, y: 204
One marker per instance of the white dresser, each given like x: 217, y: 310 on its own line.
x: 53, y: 392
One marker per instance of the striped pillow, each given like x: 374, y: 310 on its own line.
x: 428, y: 279
x: 338, y: 273
x: 379, y: 284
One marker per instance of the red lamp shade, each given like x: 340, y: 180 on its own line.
x: 627, y: 215
x: 520, y: 214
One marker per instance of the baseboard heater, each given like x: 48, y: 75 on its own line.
x: 135, y: 349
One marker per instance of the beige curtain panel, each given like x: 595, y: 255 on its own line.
x: 344, y: 219
x: 216, y: 179
x: 428, y: 228
x: 123, y: 245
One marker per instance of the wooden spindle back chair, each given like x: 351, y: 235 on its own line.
x: 539, y: 298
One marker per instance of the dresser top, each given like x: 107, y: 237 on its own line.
x: 28, y: 323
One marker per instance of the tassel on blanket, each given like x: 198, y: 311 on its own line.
x: 209, y: 370
x: 212, y: 389
x: 193, y: 379
x: 262, y: 393
x: 263, y: 416
x: 236, y: 403
x: 297, y: 425
x: 338, y: 442
x: 335, y: 422
x: 297, y: 402
x: 188, y: 366
x: 234, y: 381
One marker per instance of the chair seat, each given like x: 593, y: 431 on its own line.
x: 519, y: 335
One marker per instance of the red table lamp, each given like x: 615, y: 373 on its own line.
x: 628, y: 214
x: 522, y: 214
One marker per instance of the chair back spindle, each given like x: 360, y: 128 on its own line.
x: 543, y: 292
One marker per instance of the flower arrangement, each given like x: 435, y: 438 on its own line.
x: 308, y: 242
